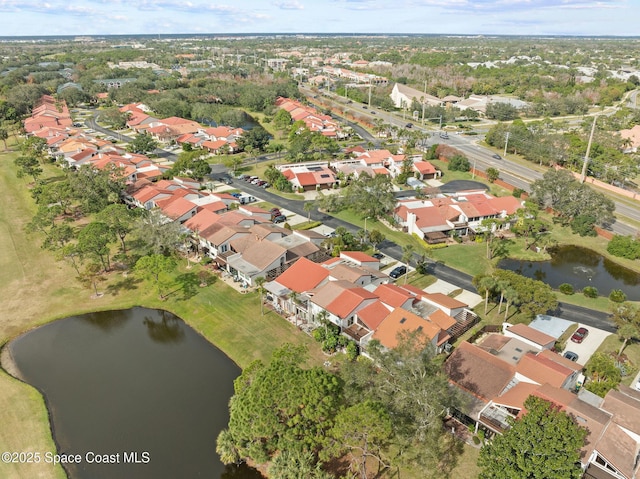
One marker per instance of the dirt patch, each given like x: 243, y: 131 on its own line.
x: 8, y: 364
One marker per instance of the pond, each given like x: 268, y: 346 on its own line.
x: 580, y: 267
x: 138, y: 385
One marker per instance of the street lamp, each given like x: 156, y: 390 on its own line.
x: 365, y: 228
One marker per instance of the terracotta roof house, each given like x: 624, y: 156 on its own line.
x: 401, y: 320
x: 202, y: 220
x: 361, y: 259
x: 394, y: 296
x: 341, y: 300
x: 309, y: 176
x: 177, y: 208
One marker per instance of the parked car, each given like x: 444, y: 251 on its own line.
x: 265, y: 185
x: 579, y: 335
x: 571, y: 356
x: 256, y: 181
x: 261, y: 182
x: 377, y: 255
x: 236, y: 195
x: 280, y: 219
x: 274, y: 210
x: 409, y: 125
x: 242, y: 177
x: 637, y: 386
x: 496, y: 156
x: 398, y: 271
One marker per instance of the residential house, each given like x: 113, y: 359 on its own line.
x: 402, y: 321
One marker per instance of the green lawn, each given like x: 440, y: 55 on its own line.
x: 397, y: 237
x: 35, y: 289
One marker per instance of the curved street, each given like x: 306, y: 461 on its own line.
x: 571, y: 312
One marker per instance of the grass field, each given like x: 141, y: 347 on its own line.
x: 35, y: 289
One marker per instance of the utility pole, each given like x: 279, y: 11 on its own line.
x: 583, y: 175
x: 424, y: 101
x: 506, y: 143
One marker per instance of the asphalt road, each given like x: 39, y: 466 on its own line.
x: 586, y: 316
x: 515, y: 174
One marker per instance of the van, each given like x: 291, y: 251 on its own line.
x: 244, y: 199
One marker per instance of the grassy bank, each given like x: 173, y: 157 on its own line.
x: 35, y: 289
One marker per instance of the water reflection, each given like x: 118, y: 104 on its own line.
x: 168, y: 328
x: 136, y: 380
x: 579, y: 267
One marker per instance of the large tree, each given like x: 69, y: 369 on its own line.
x: 570, y: 199
x: 156, y: 267
x: 370, y: 197
x: 96, y: 189
x: 544, y: 444
x: 281, y: 407
x: 94, y: 240
x: 409, y: 382
x: 142, y: 143
x: 120, y: 219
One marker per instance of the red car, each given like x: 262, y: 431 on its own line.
x: 579, y: 335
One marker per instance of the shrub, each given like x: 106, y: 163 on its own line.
x: 583, y: 225
x: 517, y: 192
x: 590, y: 291
x: 459, y: 163
x: 617, y: 296
x: 476, y: 440
x: 624, y: 246
x: 352, y: 351
x: 566, y: 288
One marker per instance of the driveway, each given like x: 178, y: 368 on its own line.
x: 589, y: 345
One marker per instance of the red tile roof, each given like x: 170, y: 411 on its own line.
x: 401, y: 320
x: 543, y: 370
x: 303, y: 275
x: 372, y: 315
x: 393, y: 295
x: 359, y: 256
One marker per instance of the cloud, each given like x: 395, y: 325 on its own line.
x: 290, y: 5
x: 513, y: 6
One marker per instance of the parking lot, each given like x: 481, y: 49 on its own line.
x: 589, y: 345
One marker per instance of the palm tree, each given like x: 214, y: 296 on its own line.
x: 308, y: 207
x: 260, y: 285
x: 487, y: 283
x: 511, y: 295
x: 501, y: 286
x: 407, y: 253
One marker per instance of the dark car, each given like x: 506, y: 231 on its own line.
x: 398, y: 271
x: 377, y: 255
x: 496, y: 156
x: 571, y: 356
x: 280, y: 219
x: 409, y: 125
x: 274, y: 210
x: 579, y: 335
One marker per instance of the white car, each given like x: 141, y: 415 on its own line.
x: 637, y: 386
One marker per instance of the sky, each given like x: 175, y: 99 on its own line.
x: 504, y: 17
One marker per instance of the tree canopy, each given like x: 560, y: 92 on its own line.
x: 544, y: 444
x: 282, y: 407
